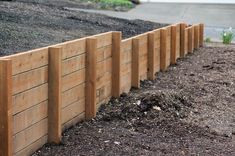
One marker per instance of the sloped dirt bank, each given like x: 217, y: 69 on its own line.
x: 27, y: 25
x: 188, y: 110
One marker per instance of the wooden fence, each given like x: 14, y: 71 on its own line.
x: 44, y: 91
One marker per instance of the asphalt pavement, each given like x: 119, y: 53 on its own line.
x: 216, y: 17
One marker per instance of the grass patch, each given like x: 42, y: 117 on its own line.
x: 106, y: 4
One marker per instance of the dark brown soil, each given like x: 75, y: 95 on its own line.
x: 188, y: 110
x: 25, y: 25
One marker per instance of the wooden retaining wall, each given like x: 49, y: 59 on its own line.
x: 47, y: 90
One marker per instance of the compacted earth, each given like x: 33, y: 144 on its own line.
x: 28, y: 24
x: 188, y: 110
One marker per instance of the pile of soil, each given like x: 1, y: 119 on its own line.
x: 188, y: 110
x: 27, y: 25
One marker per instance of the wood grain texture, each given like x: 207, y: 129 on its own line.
x: 135, y: 82
x: 201, y: 34
x: 163, y: 63
x: 151, y: 56
x: 26, y: 61
x: 182, y: 39
x: 190, y: 39
x: 54, y: 95
x: 90, y: 94
x: 6, y: 108
x: 196, y: 36
x: 116, y: 64
x: 173, y: 44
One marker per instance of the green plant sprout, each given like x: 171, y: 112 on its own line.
x: 208, y: 40
x: 227, y: 36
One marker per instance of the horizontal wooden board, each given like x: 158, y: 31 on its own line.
x: 73, y: 121
x: 75, y: 94
x: 104, y: 53
x: 103, y: 67
x: 125, y: 68
x: 73, y: 48
x: 29, y: 135
x: 126, y: 82
x: 72, y: 80
x: 126, y: 45
x: 73, y: 64
x: 29, y: 60
x: 30, y: 79
x: 101, y: 81
x: 29, y: 117
x: 104, y: 39
x: 29, y: 150
x: 105, y: 91
x: 29, y: 98
x: 126, y: 57
x: 72, y: 110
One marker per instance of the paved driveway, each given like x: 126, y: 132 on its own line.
x: 215, y: 16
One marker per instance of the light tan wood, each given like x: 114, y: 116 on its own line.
x: 186, y: 40
x: 73, y: 64
x: 163, y: 65
x: 29, y: 117
x: 73, y: 79
x: 104, y: 53
x: 178, y: 41
x: 201, y: 34
x: 190, y: 40
x: 90, y: 94
x: 29, y: 98
x: 157, y: 43
x: 74, y: 121
x: 101, y: 81
x: 30, y: 79
x: 126, y: 45
x: 103, y: 39
x: 116, y: 66
x: 135, y: 82
x: 196, y: 36
x: 151, y: 56
x: 75, y: 94
x: 72, y: 48
x: 168, y: 46
x: 29, y: 150
x: 54, y: 95
x: 30, y: 135
x: 72, y: 110
x: 182, y: 39
x: 29, y: 60
x: 173, y: 44
x: 6, y: 107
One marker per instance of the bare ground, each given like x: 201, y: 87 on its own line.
x: 188, y: 110
x: 25, y: 25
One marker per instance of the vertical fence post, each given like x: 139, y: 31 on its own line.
x: 196, y: 36
x: 182, y: 39
x: 173, y: 44
x: 201, y: 38
x: 190, y: 40
x: 90, y: 93
x: 6, y: 131
x: 163, y: 64
x: 54, y: 95
x: 186, y: 40
x: 116, y: 63
x: 135, y: 80
x: 151, y: 56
